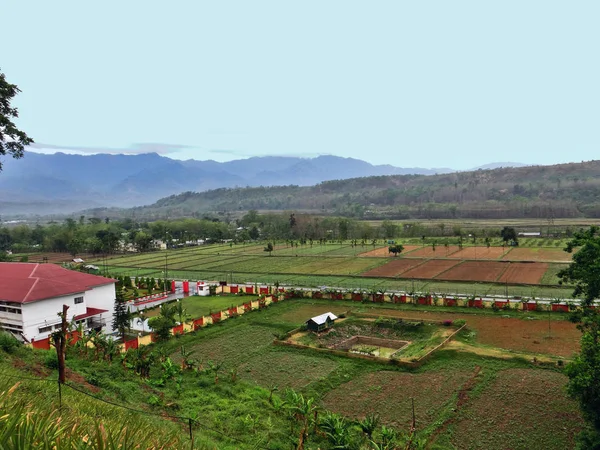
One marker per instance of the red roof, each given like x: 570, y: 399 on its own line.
x: 89, y: 312
x: 28, y: 282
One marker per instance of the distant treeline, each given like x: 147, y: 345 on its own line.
x: 96, y: 236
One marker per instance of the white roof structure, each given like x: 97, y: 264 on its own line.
x: 320, y: 320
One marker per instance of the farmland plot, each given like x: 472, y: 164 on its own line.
x: 393, y: 268
x: 521, y: 409
x: 428, y: 251
x: 538, y: 254
x: 430, y: 268
x: 560, y: 337
x: 526, y: 273
x: 479, y: 253
x: 474, y: 271
x: 384, y: 252
x: 387, y: 393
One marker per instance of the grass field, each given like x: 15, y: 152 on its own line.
x: 196, y: 306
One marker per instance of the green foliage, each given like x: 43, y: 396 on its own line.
x: 8, y: 342
x: 12, y: 140
x: 164, y: 322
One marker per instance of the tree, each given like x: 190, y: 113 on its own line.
x: 269, y: 248
x: 509, y: 235
x: 395, y: 249
x: 584, y: 370
x: 12, y: 140
x: 122, y: 314
x: 164, y: 322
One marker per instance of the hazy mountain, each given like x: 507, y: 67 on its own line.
x: 61, y: 182
x: 538, y: 192
x: 498, y: 165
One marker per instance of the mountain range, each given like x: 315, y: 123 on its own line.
x: 64, y: 183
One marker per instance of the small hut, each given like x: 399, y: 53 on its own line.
x: 322, y: 322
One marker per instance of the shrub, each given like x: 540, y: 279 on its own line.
x: 51, y: 360
x: 8, y: 342
x: 447, y: 323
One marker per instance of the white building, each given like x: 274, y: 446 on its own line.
x: 32, y: 295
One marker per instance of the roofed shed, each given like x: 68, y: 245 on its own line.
x: 322, y: 322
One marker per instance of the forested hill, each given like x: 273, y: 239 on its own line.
x: 565, y: 190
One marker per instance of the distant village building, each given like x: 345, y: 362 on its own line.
x: 32, y: 295
x: 321, y: 322
x: 529, y: 234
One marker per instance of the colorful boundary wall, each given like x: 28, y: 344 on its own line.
x: 272, y: 294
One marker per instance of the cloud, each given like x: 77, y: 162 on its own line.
x: 133, y: 149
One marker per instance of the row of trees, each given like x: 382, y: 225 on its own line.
x: 92, y: 235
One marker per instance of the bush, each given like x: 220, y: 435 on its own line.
x: 51, y: 360
x: 8, y: 342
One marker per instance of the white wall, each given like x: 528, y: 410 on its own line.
x: 103, y: 297
x: 45, y: 312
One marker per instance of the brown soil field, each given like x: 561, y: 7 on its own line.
x: 474, y: 271
x: 538, y: 254
x: 430, y: 269
x: 388, y: 393
x: 505, y: 416
x: 428, y: 252
x: 383, y: 252
x: 479, y: 253
x: 530, y: 273
x: 509, y: 333
x: 393, y: 268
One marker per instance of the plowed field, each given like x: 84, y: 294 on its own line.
x: 393, y: 268
x: 501, y: 416
x: 538, y: 254
x: 430, y: 269
x: 428, y: 252
x: 474, y: 271
x: 530, y: 273
x: 562, y: 339
x: 479, y: 253
x: 383, y: 252
x: 387, y: 393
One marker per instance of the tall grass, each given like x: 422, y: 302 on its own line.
x: 31, y: 418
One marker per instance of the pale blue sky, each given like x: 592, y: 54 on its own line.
x: 422, y: 83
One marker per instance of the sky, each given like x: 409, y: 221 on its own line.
x: 429, y: 84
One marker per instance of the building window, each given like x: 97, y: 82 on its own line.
x: 45, y: 329
x: 78, y: 300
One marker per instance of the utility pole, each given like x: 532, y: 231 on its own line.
x: 60, y: 342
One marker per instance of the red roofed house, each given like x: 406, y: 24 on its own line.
x: 32, y: 295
